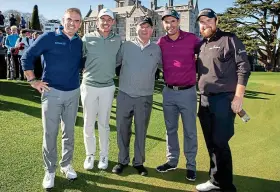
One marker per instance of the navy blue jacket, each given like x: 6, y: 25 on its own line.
x: 62, y: 59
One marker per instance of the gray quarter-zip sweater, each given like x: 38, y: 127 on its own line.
x: 137, y: 76
x: 100, y: 56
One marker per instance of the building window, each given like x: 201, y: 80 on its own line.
x: 155, y: 33
x: 136, y: 19
x: 133, y: 32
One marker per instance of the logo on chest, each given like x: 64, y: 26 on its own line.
x: 92, y: 42
x: 60, y: 43
x: 214, y: 47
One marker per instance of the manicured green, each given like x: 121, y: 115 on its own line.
x: 255, y: 146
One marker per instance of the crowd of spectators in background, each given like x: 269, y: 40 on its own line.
x: 14, y: 41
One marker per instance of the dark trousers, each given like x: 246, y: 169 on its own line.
x: 3, y: 67
x: 18, y: 67
x: 9, y: 66
x: 38, y: 70
x: 217, y: 122
x: 140, y: 108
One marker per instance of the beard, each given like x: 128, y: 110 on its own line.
x: 208, y: 32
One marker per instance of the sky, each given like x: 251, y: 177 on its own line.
x: 54, y: 9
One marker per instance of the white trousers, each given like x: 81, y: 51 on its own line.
x: 97, y: 102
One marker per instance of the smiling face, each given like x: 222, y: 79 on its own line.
x: 105, y: 23
x: 144, y: 31
x: 207, y: 26
x: 71, y: 23
x: 14, y: 30
x: 171, y: 25
x: 8, y: 30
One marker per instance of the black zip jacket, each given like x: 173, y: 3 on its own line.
x: 222, y: 64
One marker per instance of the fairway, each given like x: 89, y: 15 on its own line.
x: 255, y: 146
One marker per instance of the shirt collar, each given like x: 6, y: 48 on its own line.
x: 181, y: 36
x: 60, y: 33
x: 215, y: 37
x: 111, y: 34
x: 137, y: 41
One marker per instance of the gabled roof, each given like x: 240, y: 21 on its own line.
x: 89, y: 12
x: 118, y: 10
x: 142, y: 8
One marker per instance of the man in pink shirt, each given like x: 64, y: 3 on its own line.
x: 179, y: 95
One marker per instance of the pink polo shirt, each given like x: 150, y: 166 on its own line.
x: 178, y: 59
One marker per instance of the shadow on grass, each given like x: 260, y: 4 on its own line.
x: 20, y: 90
x: 257, y: 95
x: 36, y: 112
x: 92, y: 180
x: 29, y: 110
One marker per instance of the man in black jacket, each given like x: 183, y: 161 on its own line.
x: 13, y: 20
x: 223, y: 69
x: 2, y: 18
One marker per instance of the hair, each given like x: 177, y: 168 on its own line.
x: 7, y: 28
x: 23, y: 31
x: 13, y: 27
x: 34, y: 34
x: 76, y: 10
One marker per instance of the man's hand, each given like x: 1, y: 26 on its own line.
x: 236, y: 104
x: 40, y: 86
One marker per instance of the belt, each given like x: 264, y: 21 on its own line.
x: 176, y: 88
x: 220, y: 93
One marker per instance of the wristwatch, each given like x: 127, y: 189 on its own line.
x: 32, y: 80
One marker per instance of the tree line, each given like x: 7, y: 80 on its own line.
x: 256, y: 23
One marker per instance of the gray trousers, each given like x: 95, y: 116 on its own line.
x: 140, y: 108
x: 58, y: 107
x: 182, y: 102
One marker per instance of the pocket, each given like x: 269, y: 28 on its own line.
x: 222, y: 63
x: 44, y: 96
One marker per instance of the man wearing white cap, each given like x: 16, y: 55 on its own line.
x: 97, y: 90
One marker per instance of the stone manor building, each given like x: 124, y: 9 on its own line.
x: 127, y: 12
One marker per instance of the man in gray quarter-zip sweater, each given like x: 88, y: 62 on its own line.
x: 97, y: 89
x: 139, y: 59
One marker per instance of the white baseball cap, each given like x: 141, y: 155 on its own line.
x: 106, y: 11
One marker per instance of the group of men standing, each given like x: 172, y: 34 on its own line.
x: 223, y: 74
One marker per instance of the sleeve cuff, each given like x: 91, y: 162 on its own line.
x: 242, y: 80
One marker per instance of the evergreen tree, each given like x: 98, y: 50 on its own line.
x: 256, y: 23
x: 35, y: 22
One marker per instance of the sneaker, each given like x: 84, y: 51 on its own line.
x: 208, y: 186
x: 118, y: 169
x: 103, y: 163
x: 69, y: 172
x: 165, y: 168
x: 191, y: 175
x: 141, y: 170
x: 89, y: 162
x: 48, y: 181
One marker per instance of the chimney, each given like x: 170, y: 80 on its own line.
x: 154, y: 4
x: 170, y: 3
x: 191, y: 4
x: 100, y: 7
x: 138, y: 3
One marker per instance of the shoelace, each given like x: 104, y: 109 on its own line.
x: 69, y: 169
x: 49, y: 176
x: 89, y: 159
x: 103, y: 160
